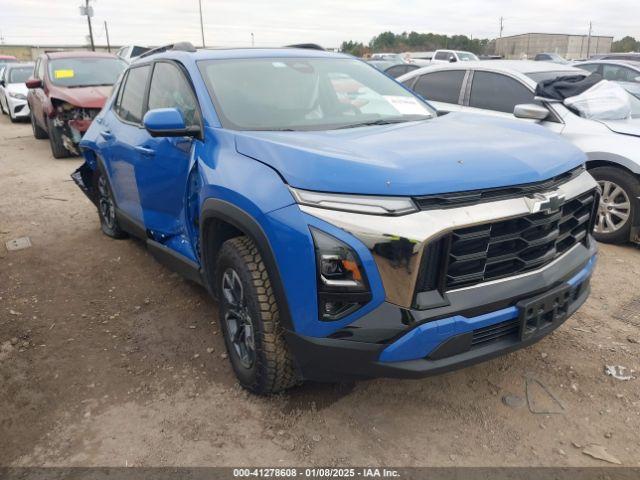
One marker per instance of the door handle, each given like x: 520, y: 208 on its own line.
x: 106, y: 134
x: 146, y: 151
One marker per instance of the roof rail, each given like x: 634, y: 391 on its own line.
x: 308, y: 46
x: 178, y: 46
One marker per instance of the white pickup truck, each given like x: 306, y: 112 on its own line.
x: 451, y: 56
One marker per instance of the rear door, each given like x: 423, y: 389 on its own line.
x: 126, y: 135
x: 497, y: 94
x: 163, y: 175
x: 443, y: 89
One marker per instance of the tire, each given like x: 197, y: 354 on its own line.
x: 107, y: 206
x: 58, y: 149
x: 618, y: 204
x: 269, y: 367
x: 12, y: 118
x: 2, y: 108
x: 38, y: 132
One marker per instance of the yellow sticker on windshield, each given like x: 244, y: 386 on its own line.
x: 64, y: 73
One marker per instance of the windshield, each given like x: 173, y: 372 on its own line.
x: 20, y: 75
x: 85, y: 72
x: 306, y: 94
x: 467, y: 57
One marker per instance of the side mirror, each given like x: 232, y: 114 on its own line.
x: 33, y: 83
x: 453, y: 60
x: 530, y: 111
x: 2, y: 83
x: 168, y: 122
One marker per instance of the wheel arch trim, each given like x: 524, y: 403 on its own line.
x: 221, y: 210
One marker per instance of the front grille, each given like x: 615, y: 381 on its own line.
x: 510, y: 247
x: 494, y: 332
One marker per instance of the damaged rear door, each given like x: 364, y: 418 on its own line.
x: 125, y: 133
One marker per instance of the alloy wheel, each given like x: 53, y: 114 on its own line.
x: 238, y: 319
x: 105, y: 203
x: 614, y: 208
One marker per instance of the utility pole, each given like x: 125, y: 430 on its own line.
x: 252, y: 40
x: 589, y: 41
x: 501, y: 26
x: 201, y: 24
x: 88, y: 11
x: 106, y: 31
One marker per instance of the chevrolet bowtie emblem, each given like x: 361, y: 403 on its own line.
x: 545, y: 202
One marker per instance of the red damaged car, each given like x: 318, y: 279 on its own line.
x: 66, y: 91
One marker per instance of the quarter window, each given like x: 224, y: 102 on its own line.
x: 170, y: 89
x: 492, y: 91
x: 441, y: 86
x: 130, y: 105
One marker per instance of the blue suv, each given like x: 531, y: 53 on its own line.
x: 345, y: 228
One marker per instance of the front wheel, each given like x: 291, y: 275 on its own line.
x: 618, y: 204
x: 58, y: 150
x: 38, y: 132
x: 107, y: 206
x: 250, y: 320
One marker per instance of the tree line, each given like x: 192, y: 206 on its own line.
x: 626, y: 44
x: 414, y: 42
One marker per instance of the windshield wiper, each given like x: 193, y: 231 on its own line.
x: 380, y: 121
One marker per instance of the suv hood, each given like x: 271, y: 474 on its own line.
x: 83, y: 97
x: 626, y: 127
x: 456, y: 152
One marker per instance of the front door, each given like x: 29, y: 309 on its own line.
x: 165, y: 163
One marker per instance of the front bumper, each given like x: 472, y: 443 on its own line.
x: 403, y: 343
x: 17, y: 107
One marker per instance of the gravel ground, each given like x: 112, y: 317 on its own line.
x: 107, y: 358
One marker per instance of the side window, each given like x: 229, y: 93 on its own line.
x: 170, y: 89
x: 492, y: 91
x: 441, y: 86
x: 593, y: 68
x: 619, y: 74
x: 131, y: 102
x: 442, y: 56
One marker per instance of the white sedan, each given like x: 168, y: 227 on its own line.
x: 505, y: 88
x: 13, y: 91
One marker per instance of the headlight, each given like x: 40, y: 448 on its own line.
x: 342, y: 282
x: 19, y: 96
x: 369, y: 204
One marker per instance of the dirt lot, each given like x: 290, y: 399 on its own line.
x: 106, y: 359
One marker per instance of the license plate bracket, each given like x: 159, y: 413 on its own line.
x: 544, y: 311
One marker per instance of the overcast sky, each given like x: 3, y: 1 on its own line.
x: 328, y: 22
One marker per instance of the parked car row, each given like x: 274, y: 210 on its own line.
x: 348, y: 227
